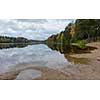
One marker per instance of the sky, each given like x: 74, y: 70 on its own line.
x: 36, y: 29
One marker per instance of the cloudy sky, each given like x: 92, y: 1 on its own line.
x: 37, y: 29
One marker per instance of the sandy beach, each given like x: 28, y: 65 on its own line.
x: 86, y: 71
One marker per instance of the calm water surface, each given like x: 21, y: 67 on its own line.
x: 39, y: 55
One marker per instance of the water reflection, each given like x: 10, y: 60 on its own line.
x: 65, y: 50
x: 12, y: 45
x: 68, y: 51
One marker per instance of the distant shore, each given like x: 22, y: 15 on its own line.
x: 90, y: 70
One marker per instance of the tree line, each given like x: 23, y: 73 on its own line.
x: 6, y: 39
x: 78, y: 33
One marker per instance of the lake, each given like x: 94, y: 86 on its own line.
x: 53, y: 57
x: 39, y: 55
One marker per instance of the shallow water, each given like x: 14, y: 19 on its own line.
x: 39, y: 55
x: 28, y: 74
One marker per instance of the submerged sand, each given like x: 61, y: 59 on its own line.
x: 84, y: 71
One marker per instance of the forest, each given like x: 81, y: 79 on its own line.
x: 22, y: 40
x: 79, y: 33
x: 6, y: 39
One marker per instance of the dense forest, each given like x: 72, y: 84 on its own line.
x: 6, y: 39
x: 78, y: 33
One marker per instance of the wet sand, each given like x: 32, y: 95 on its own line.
x: 86, y: 71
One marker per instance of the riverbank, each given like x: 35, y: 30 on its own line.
x: 91, y: 70
x: 84, y: 71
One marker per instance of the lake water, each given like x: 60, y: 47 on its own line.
x: 39, y: 55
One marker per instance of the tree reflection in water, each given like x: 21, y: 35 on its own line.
x: 63, y: 49
x: 12, y: 45
x: 68, y: 51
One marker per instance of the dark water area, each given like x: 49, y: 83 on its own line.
x: 67, y: 51
x: 52, y: 56
x: 12, y: 45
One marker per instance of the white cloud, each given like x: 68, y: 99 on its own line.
x: 32, y: 28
